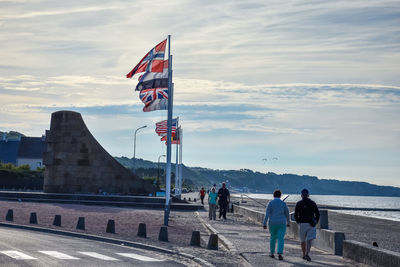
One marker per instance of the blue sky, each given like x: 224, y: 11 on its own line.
x: 315, y: 84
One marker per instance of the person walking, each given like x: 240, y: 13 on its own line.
x: 224, y: 198
x: 277, y: 216
x: 212, y: 203
x: 202, y: 195
x: 306, y: 215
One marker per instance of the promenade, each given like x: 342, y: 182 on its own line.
x: 245, y: 244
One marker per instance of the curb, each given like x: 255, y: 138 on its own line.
x: 107, y: 240
x: 224, y: 241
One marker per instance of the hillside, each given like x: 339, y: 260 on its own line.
x: 267, y: 182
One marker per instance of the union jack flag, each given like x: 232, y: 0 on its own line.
x: 154, y: 99
x: 153, y: 61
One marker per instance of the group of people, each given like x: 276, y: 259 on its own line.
x: 306, y: 215
x: 223, y: 198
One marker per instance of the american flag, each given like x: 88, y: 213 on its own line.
x: 153, y: 61
x: 161, y: 127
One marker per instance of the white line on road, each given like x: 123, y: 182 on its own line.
x: 17, y: 255
x: 138, y: 257
x: 98, y: 256
x: 59, y: 255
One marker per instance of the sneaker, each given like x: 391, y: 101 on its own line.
x: 272, y: 255
x: 307, y: 258
x: 280, y: 257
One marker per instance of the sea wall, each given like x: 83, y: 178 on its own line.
x: 370, y: 255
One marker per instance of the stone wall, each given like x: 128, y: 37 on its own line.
x: 76, y: 163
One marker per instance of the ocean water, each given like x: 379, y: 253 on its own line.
x: 350, y: 201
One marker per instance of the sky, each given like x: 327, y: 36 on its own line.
x: 303, y: 87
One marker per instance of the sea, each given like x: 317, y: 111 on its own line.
x: 349, y: 201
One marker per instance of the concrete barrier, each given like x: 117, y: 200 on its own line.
x: 195, y: 240
x: 328, y: 240
x: 10, y: 215
x: 33, y: 218
x: 163, y: 235
x: 81, y: 223
x: 142, y: 230
x: 370, y: 255
x: 57, y: 220
x: 110, y: 227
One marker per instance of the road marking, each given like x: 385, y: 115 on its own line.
x: 138, y: 257
x: 98, y: 256
x: 17, y: 255
x: 58, y: 255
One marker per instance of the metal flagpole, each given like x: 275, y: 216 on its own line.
x: 180, y: 160
x: 177, y: 161
x: 169, y: 135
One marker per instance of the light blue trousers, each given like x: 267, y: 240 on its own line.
x: 277, y: 231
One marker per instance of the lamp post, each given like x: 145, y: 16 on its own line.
x: 134, y: 143
x: 158, y: 168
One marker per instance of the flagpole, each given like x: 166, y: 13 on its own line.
x: 177, y: 159
x: 169, y: 135
x: 180, y: 160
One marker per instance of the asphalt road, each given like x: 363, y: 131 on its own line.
x: 26, y: 248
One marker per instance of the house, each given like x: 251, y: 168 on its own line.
x: 25, y: 151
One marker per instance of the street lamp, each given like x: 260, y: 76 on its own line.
x: 158, y: 168
x: 134, y: 142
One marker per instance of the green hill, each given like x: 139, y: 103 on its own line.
x: 258, y: 182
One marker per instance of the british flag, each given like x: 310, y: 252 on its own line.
x: 154, y: 99
x: 153, y: 61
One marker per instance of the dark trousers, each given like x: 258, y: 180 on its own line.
x: 223, y: 206
x: 202, y: 200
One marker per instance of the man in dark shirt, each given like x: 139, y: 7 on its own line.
x: 224, y: 198
x: 306, y: 215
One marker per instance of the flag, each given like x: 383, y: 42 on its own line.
x: 174, y: 139
x: 154, y: 99
x: 153, y: 61
x: 154, y: 79
x: 161, y: 127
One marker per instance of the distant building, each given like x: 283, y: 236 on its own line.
x: 25, y: 151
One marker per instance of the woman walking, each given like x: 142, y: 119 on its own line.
x: 277, y: 216
x: 212, y: 203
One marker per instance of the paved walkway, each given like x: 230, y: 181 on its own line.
x: 252, y: 243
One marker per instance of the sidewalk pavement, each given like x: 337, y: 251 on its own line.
x: 251, y: 242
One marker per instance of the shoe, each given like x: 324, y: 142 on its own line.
x: 307, y: 258
x: 280, y: 257
x: 272, y: 255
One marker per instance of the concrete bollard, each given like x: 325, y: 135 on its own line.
x: 10, y: 215
x: 213, y: 242
x: 142, y: 230
x: 57, y: 220
x: 194, y: 199
x: 33, y: 218
x: 81, y: 223
x: 195, y: 240
x: 163, y: 235
x: 110, y: 227
x: 184, y: 199
x: 323, y: 219
x: 189, y: 199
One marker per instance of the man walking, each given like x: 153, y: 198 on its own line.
x: 224, y: 198
x: 202, y: 195
x: 306, y: 215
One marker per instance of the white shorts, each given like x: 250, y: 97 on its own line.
x: 307, y: 232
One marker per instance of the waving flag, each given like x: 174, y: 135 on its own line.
x: 161, y: 127
x: 154, y: 79
x: 154, y: 99
x: 153, y: 61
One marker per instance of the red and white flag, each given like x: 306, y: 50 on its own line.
x: 153, y: 61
